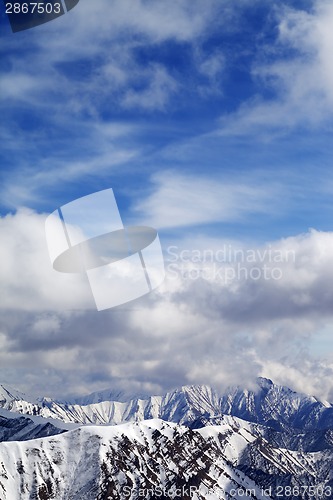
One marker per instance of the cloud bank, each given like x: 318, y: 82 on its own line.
x: 197, y: 328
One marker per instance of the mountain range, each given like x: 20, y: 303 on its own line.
x: 270, y: 442
x: 269, y: 404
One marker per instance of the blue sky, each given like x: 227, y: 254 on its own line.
x: 212, y: 121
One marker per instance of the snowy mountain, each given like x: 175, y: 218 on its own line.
x: 156, y: 459
x: 14, y: 427
x: 271, y: 405
x: 190, y: 440
x: 277, y: 406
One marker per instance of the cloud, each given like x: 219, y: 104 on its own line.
x: 234, y: 329
x: 289, y: 279
x: 300, y: 80
x: 28, y: 280
x: 183, y: 20
x: 305, y: 375
x: 43, y: 166
x: 184, y: 200
x: 156, y: 94
x: 21, y: 87
x: 80, y: 63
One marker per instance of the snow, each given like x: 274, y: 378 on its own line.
x: 72, y: 461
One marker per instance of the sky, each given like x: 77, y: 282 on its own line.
x: 212, y: 121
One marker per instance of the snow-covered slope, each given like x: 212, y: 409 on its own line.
x: 151, y: 459
x: 15, y: 427
x: 9, y: 394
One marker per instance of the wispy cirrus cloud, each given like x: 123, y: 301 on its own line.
x: 156, y: 94
x: 188, y: 199
x: 66, y: 83
x: 297, y: 73
x: 83, y: 74
x: 98, y: 150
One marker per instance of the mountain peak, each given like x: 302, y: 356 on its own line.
x: 265, y: 382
